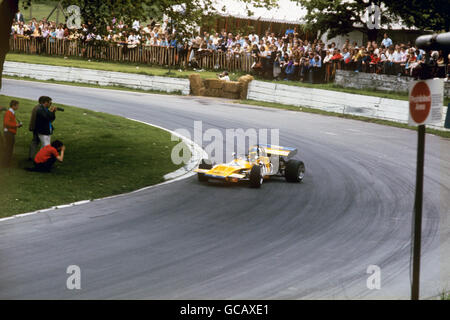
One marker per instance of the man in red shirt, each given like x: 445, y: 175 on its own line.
x: 48, y: 155
x: 10, y: 126
x: 337, y: 56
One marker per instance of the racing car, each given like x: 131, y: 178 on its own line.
x: 262, y: 162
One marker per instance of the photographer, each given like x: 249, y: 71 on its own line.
x: 35, y: 142
x: 10, y: 125
x: 47, y: 156
x: 224, y: 76
x: 45, y: 116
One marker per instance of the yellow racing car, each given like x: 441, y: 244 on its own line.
x: 261, y: 162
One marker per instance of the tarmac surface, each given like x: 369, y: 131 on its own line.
x: 189, y: 240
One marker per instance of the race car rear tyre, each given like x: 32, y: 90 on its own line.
x: 295, y: 171
x: 256, y: 178
x: 205, y: 164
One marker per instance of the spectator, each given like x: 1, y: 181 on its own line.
x: 19, y: 17
x: 45, y: 115
x: 337, y: 55
x: 374, y: 63
x: 10, y: 125
x: 387, y: 42
x: 397, y: 60
x: 224, y: 76
x: 233, y: 45
x: 47, y: 156
x: 289, y: 69
x: 32, y: 127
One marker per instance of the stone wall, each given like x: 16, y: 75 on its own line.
x: 362, y: 80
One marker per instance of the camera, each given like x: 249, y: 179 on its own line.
x: 60, y: 109
x: 434, y: 42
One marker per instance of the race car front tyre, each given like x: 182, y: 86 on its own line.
x: 256, y: 178
x: 201, y: 177
x: 295, y: 171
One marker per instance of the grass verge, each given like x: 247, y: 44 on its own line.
x: 89, y: 85
x: 444, y: 134
x: 106, y: 155
x: 127, y: 67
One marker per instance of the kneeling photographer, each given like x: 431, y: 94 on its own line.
x: 47, y: 156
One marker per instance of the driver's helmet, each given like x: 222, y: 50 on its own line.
x: 256, y: 152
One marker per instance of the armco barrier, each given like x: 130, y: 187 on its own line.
x: 100, y: 77
x: 334, y: 101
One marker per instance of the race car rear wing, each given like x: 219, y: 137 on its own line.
x: 279, y: 151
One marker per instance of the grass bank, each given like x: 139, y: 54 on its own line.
x: 105, y: 155
x: 127, y: 67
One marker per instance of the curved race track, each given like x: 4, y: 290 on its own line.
x: 187, y: 240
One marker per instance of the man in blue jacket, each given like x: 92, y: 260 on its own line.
x: 45, y: 115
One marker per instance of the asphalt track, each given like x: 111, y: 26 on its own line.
x: 188, y: 240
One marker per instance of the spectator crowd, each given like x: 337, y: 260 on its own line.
x: 277, y: 56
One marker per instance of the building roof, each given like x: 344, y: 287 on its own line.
x: 287, y: 11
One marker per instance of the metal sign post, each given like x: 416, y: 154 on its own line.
x: 425, y: 106
x: 418, y: 212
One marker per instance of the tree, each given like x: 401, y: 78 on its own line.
x: 430, y: 14
x: 339, y: 17
x: 7, y: 10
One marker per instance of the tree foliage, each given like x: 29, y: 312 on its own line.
x: 430, y: 14
x: 340, y: 17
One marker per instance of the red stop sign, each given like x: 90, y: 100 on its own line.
x: 420, y: 102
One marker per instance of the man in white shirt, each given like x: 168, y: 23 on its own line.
x: 397, y: 56
x: 397, y: 59
x: 253, y: 38
x: 224, y: 76
x: 148, y: 29
x: 136, y: 25
x: 60, y: 32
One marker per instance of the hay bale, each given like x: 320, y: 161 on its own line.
x: 197, y: 86
x: 201, y: 92
x: 213, y: 92
x: 214, y: 83
x: 232, y: 86
x: 230, y: 95
x: 245, y: 80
